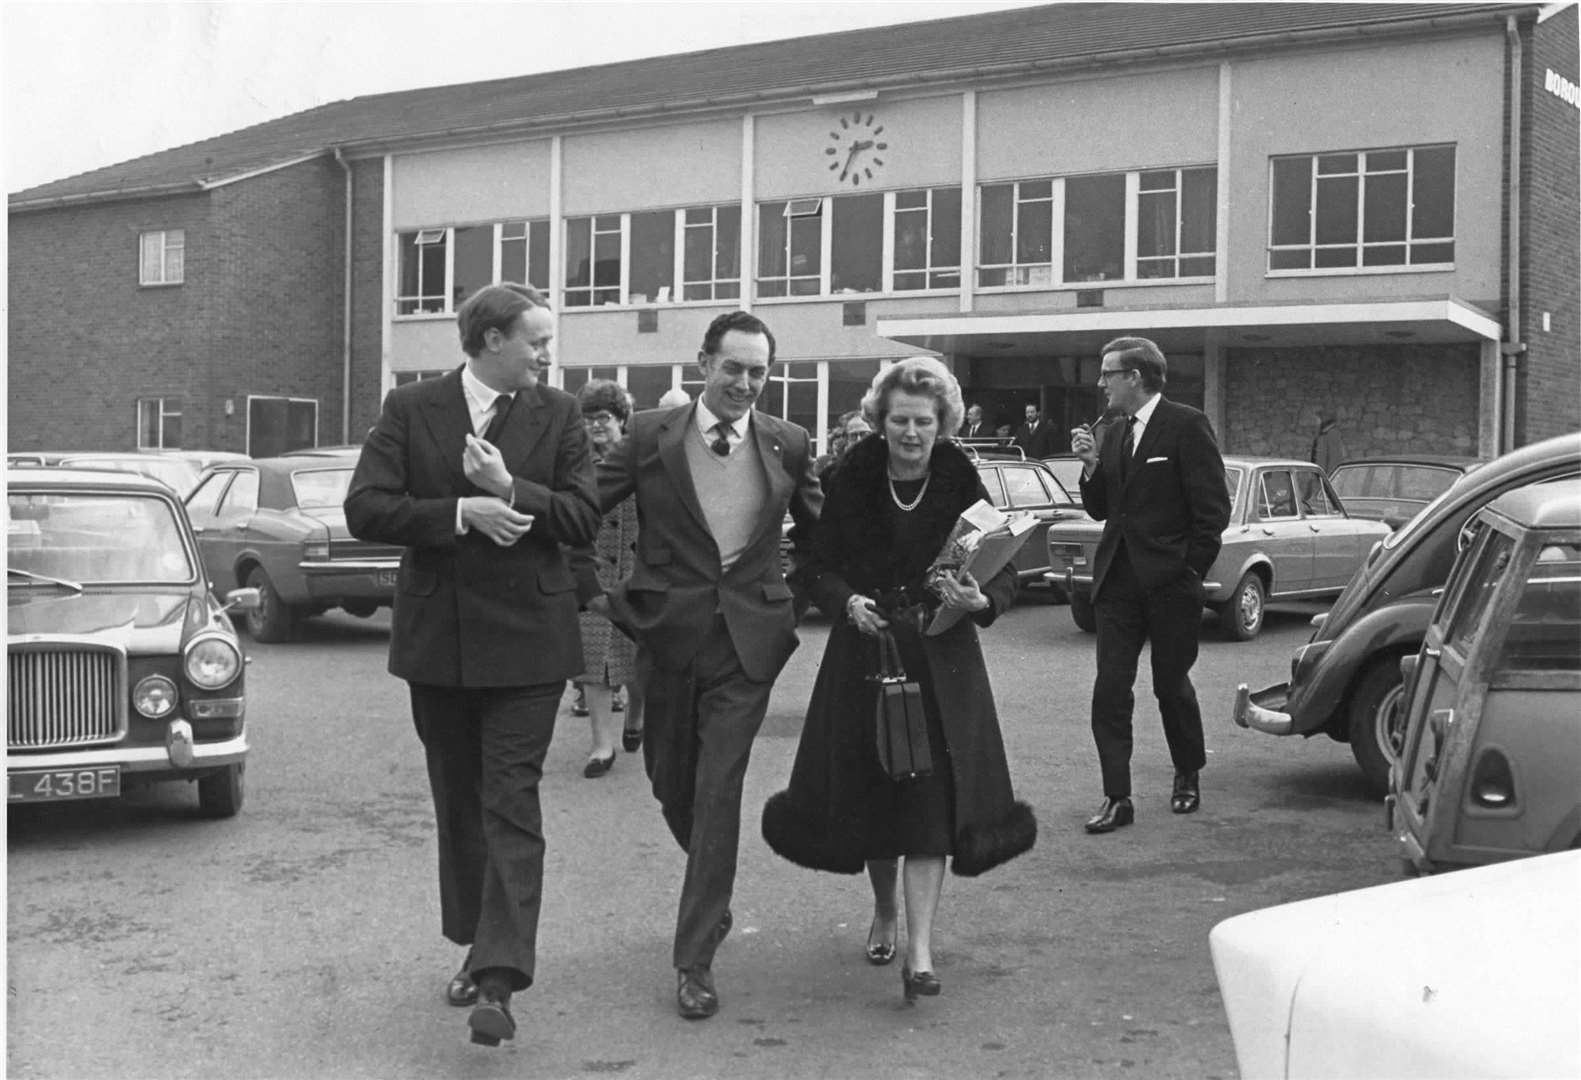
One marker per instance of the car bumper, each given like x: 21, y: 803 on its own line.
x: 180, y: 752
x: 364, y: 579
x: 1264, y: 710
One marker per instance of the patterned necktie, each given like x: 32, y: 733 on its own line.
x: 502, y: 409
x: 1127, y: 447
x: 721, y: 443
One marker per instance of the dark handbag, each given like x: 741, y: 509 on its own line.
x: 900, y: 728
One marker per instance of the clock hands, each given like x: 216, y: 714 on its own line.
x: 856, y: 148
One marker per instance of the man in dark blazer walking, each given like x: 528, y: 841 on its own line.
x: 482, y: 475
x: 1157, y: 483
x: 710, y: 606
x: 1036, y: 437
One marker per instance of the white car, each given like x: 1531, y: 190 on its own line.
x: 1462, y: 975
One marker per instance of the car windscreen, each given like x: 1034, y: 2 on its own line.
x: 1232, y: 480
x: 95, y: 537
x: 178, y: 475
x: 320, y: 489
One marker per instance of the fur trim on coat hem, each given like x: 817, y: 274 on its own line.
x: 787, y: 835
x: 981, y: 849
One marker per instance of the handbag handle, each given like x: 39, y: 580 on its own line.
x: 889, y: 666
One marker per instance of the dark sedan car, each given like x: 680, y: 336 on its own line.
x: 1393, y: 489
x: 1345, y: 682
x: 123, y: 667
x: 276, y: 524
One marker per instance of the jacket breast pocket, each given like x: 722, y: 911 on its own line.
x: 418, y: 582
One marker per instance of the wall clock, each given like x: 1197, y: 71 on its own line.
x: 856, y: 149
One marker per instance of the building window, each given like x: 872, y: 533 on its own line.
x: 856, y: 244
x: 1017, y: 234
x: 1095, y: 228
x: 791, y: 393
x: 927, y: 225
x: 424, y: 266
x: 711, y: 253
x: 652, y: 257
x: 524, y: 253
x: 404, y: 377
x: 1176, y: 223
x: 158, y: 424
x: 162, y: 257
x: 593, y: 260
x: 278, y: 425
x: 790, y: 248
x: 1363, y: 210
x: 439, y: 268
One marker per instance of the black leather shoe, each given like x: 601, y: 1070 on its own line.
x: 1186, y: 798
x: 1110, y: 816
x: 461, y: 991
x: 695, y: 996
x: 914, y: 983
x: 631, y: 740
x: 491, y: 1021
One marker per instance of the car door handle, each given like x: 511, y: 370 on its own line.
x: 1432, y: 653
x: 1268, y: 532
x: 1314, y: 528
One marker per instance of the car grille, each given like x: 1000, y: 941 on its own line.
x: 362, y: 549
x: 61, y: 696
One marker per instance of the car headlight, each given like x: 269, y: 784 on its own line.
x: 212, y: 662
x: 155, y: 696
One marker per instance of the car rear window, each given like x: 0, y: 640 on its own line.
x: 1545, y: 632
x: 319, y: 489
x: 1424, y: 482
x: 87, y: 537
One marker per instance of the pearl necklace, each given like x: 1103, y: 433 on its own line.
x: 912, y: 505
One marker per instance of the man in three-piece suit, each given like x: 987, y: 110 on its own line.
x: 710, y: 605
x: 1036, y: 437
x: 975, y: 428
x: 1157, y: 483
x: 482, y: 475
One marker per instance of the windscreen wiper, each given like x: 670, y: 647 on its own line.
x: 47, y: 580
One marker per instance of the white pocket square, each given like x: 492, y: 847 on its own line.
x: 1151, y: 460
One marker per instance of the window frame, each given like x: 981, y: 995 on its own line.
x: 448, y: 303
x: 169, y: 240
x: 929, y: 212
x: 160, y: 414
x: 1359, y: 242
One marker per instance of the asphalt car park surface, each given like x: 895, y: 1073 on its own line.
x: 300, y: 939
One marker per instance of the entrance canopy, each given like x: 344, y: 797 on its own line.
x: 1194, y: 329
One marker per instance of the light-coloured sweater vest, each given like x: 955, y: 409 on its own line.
x: 731, y: 488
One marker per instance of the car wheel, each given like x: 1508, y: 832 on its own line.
x: 220, y: 793
x: 1081, y: 612
x: 1377, y: 723
x: 273, y: 619
x: 1241, y: 616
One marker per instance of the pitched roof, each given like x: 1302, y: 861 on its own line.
x: 975, y: 48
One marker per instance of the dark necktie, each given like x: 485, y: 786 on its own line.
x: 721, y: 443
x: 1127, y: 447
x: 502, y: 409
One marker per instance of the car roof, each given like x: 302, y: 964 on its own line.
x: 1554, y: 504
x: 26, y: 478
x: 1450, y: 461
x: 1243, y: 461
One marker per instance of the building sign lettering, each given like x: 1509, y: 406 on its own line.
x: 1562, y: 88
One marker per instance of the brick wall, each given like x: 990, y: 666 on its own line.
x: 84, y: 340
x: 367, y: 295
x: 1550, y: 387
x: 1390, y: 399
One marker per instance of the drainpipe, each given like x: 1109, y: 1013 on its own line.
x: 1512, y: 347
x: 345, y: 315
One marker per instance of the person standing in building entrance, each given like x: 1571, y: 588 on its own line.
x: 1157, y: 483
x: 1035, y: 437
x: 1328, y: 449
x: 975, y: 428
x: 710, y: 606
x: 481, y: 476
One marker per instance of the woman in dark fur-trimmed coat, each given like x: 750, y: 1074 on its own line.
x: 887, y: 513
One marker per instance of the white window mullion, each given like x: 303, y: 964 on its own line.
x: 496, y: 263
x: 450, y: 268
x: 887, y: 278
x: 1133, y: 189
x: 1361, y: 208
x: 1410, y: 203
x: 625, y: 259
x: 826, y: 231
x: 678, y: 263
x: 822, y: 434
x: 1057, y: 224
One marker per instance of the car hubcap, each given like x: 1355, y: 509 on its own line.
x: 1251, y: 608
x: 1390, y: 723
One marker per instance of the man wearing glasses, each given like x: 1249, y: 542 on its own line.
x: 1157, y: 484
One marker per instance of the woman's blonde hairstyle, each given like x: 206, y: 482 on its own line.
x: 916, y: 375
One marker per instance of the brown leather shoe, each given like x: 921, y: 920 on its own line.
x: 461, y: 991
x: 695, y: 996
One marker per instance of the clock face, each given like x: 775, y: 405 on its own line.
x: 856, y: 149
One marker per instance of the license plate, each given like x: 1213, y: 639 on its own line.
x: 57, y: 785
x: 385, y: 579
x: 1074, y: 556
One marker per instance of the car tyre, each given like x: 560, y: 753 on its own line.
x: 220, y: 793
x: 1081, y: 612
x: 1377, y: 723
x: 1241, y: 616
x: 273, y: 619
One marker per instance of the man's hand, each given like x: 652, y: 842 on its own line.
x: 1084, y: 446
x: 599, y: 605
x: 494, y: 518
x: 484, y: 467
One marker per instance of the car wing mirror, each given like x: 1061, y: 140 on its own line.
x: 247, y: 599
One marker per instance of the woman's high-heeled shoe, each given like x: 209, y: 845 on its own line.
x: 879, y: 953
x: 914, y: 983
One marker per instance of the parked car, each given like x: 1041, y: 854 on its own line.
x: 175, y: 473
x: 204, y: 458
x: 1393, y: 489
x: 1491, y: 762
x: 123, y: 667
x: 1461, y: 977
x: 1289, y: 538
x: 1345, y: 682
x: 1016, y: 484
x: 1067, y: 470
x: 276, y: 525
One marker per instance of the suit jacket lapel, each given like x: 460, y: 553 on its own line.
x: 526, y: 424
x: 1156, y: 426
x: 672, y: 452
x: 450, y: 422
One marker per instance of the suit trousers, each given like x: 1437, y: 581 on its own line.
x: 708, y: 717
x: 1168, y: 619
x: 485, y: 749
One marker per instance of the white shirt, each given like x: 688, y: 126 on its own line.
x: 482, y: 403
x: 736, y: 432
x: 1143, y: 415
